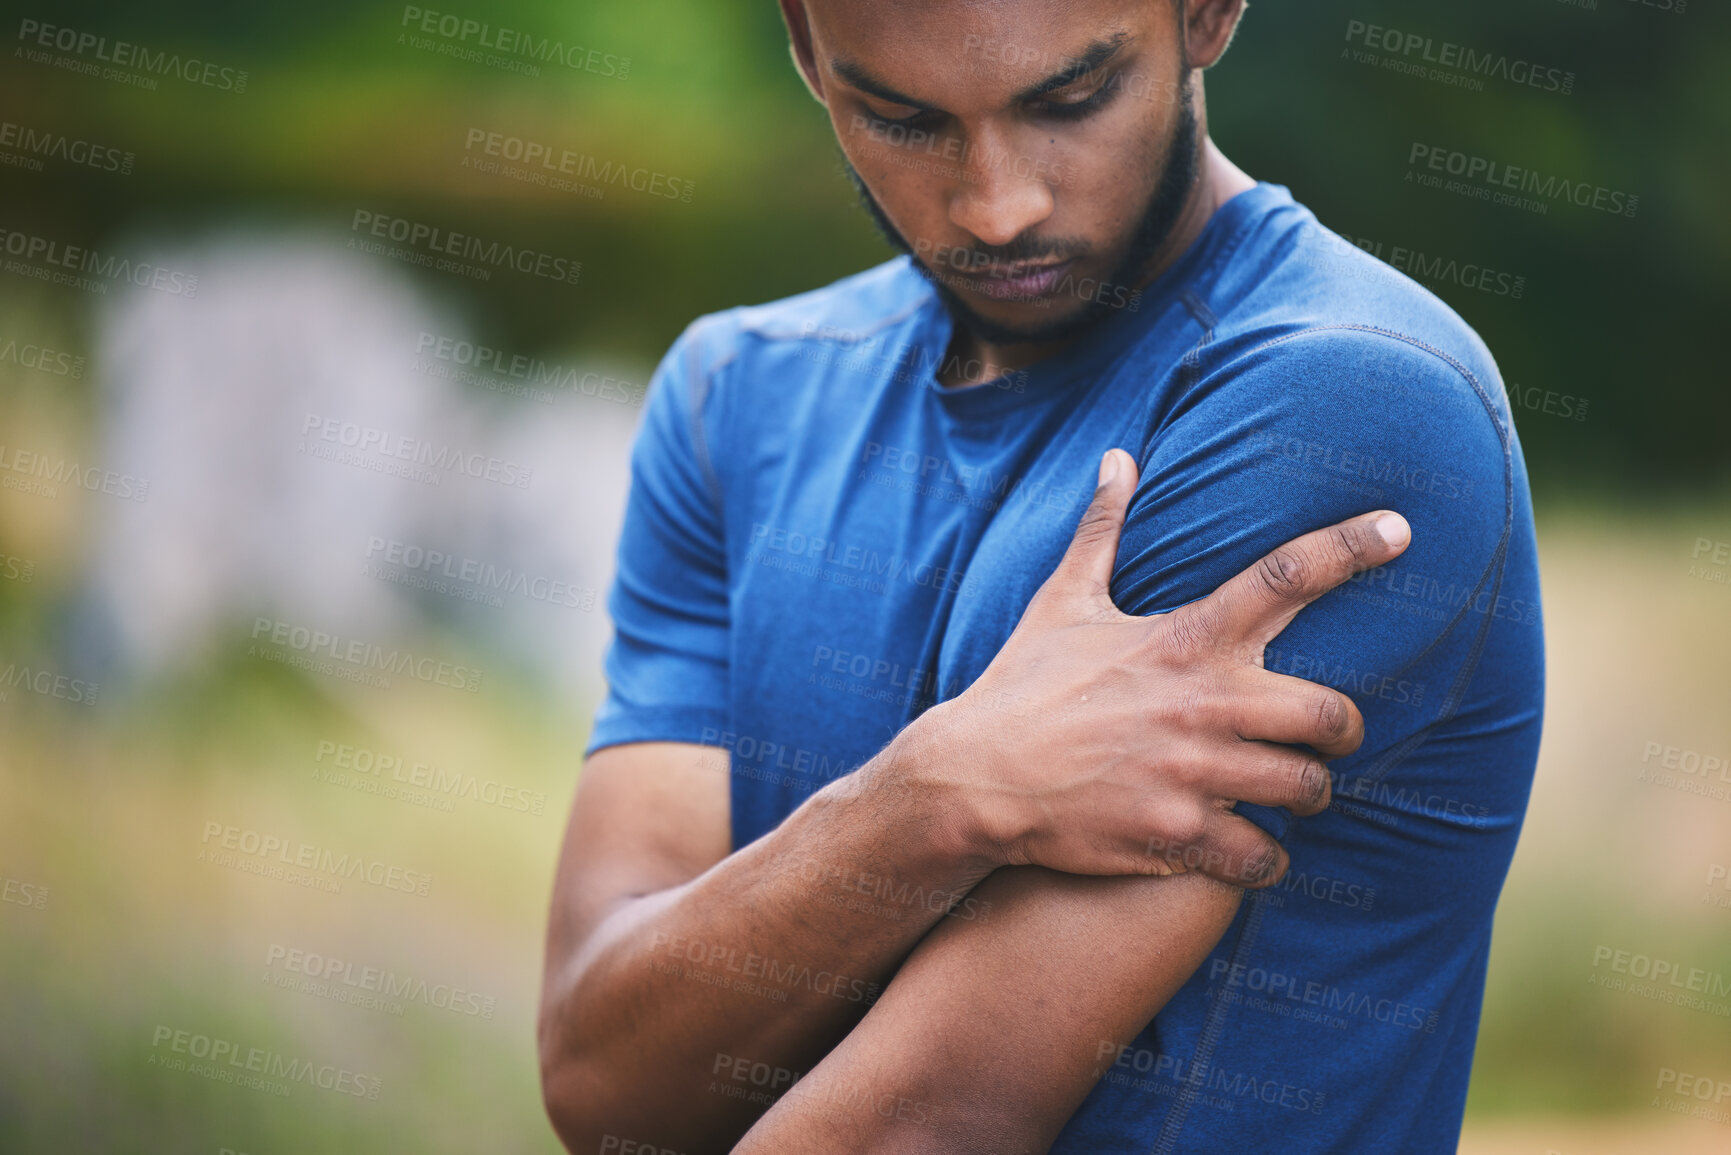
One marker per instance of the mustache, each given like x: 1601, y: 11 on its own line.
x: 986, y: 259
x: 1028, y: 248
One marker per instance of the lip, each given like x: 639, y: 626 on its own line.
x: 1020, y: 282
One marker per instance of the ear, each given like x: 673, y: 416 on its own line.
x: 799, y: 46
x: 1208, y: 28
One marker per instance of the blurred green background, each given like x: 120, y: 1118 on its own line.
x: 102, y: 809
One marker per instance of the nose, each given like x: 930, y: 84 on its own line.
x: 1001, y: 195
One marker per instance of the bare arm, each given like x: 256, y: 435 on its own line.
x: 1096, y: 743
x: 992, y: 1034
x: 671, y: 964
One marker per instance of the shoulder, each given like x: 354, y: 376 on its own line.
x: 1326, y: 384
x: 850, y: 311
x: 730, y: 381
x: 1315, y: 338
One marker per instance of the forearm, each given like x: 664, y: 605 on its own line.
x: 993, y: 1032
x: 761, y: 964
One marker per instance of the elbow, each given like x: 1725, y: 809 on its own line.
x: 568, y: 1096
x: 574, y: 1091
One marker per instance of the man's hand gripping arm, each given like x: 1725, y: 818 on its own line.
x: 994, y: 1031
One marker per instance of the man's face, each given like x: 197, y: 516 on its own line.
x: 1030, y: 154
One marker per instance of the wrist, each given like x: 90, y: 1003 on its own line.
x: 932, y: 767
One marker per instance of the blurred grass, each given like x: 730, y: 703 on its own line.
x: 107, y: 811
x: 108, y: 814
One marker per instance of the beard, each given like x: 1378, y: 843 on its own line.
x: 1159, y: 218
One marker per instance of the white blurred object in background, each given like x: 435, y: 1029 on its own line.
x: 210, y: 399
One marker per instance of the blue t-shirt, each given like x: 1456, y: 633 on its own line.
x: 821, y: 541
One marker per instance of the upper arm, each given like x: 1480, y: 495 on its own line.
x: 652, y: 806
x: 667, y: 665
x: 1308, y: 430
x: 647, y: 817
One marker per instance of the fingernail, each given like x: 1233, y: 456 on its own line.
x: 1108, y: 467
x: 1393, y: 530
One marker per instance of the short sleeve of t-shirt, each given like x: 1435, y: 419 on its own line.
x: 1309, y: 429
x: 667, y: 664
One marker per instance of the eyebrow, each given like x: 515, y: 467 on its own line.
x: 1073, y: 69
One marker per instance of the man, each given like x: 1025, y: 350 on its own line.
x: 945, y: 815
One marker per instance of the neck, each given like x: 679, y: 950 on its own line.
x: 1218, y: 181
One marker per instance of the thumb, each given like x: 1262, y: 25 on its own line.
x: 1086, y: 568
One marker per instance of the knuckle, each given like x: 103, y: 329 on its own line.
x: 1190, y: 633
x: 1333, y: 716
x: 1285, y: 573
x: 1093, y: 523
x: 1261, y: 865
x: 1354, y: 735
x: 1352, y: 545
x: 1313, y: 785
x: 1191, y: 707
x: 1098, y: 519
x: 1183, y: 828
